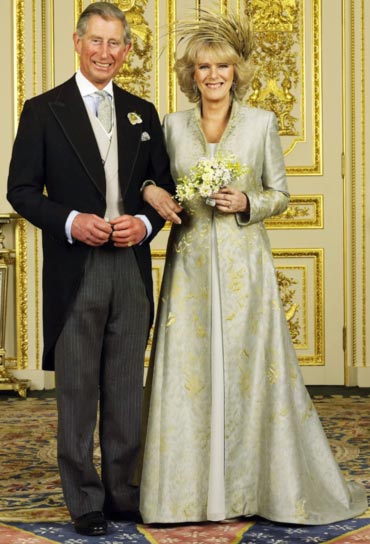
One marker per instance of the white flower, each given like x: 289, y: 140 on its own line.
x: 209, y: 176
x: 134, y: 118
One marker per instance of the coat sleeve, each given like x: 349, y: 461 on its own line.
x: 26, y: 178
x: 158, y: 170
x: 273, y: 199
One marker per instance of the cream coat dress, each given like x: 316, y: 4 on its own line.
x: 232, y: 430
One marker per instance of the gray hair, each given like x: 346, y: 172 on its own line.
x: 106, y: 11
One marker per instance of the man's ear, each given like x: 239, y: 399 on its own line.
x: 77, y: 42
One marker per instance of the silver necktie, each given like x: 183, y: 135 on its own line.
x: 104, y: 110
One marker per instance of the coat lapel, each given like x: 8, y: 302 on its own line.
x: 128, y: 135
x: 70, y: 111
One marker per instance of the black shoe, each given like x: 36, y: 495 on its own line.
x: 125, y: 515
x: 91, y: 524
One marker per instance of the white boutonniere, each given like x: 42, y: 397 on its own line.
x: 134, y: 118
x: 145, y: 137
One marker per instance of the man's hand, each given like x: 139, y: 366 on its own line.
x: 127, y: 231
x: 90, y: 229
x: 163, y: 203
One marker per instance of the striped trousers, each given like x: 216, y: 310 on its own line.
x: 99, y: 360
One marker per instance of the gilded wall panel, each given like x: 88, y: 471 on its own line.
x: 21, y: 245
x: 300, y: 286
x: 19, y: 359
x: 304, y: 212
x: 301, y: 291
x: 287, y: 76
x: 292, y: 281
x: 358, y: 150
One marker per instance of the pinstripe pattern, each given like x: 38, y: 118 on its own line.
x: 102, y: 347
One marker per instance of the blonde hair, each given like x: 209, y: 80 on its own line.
x: 227, y: 38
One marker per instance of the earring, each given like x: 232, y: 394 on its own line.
x: 195, y: 87
x: 233, y: 86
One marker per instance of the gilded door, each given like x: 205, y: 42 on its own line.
x: 299, y: 76
x: 298, y: 61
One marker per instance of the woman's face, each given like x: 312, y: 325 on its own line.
x: 213, y: 77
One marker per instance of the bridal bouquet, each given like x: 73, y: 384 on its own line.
x: 208, y: 176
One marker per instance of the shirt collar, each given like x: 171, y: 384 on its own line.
x: 86, y: 87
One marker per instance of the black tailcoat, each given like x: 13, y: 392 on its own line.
x: 56, y: 167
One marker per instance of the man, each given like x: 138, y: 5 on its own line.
x: 97, y: 286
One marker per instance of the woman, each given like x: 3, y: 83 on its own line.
x: 231, y: 430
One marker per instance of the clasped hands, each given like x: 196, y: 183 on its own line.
x: 227, y: 200
x: 123, y: 231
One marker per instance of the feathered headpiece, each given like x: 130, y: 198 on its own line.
x: 210, y: 27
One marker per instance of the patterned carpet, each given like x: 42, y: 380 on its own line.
x: 32, y: 510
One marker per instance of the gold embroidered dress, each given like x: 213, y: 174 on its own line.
x: 248, y: 442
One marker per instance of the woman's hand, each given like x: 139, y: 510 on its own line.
x: 230, y: 200
x: 163, y: 203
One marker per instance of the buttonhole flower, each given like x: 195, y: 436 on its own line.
x: 134, y: 118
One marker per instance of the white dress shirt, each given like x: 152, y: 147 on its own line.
x: 87, y: 90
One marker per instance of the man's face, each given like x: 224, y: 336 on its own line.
x: 101, y: 49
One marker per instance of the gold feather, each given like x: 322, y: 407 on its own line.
x: 210, y: 27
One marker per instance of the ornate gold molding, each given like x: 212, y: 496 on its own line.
x: 358, y: 183
x: 19, y: 61
x: 304, y: 212
x: 156, y: 52
x: 77, y: 12
x: 36, y: 233
x: 21, y: 263
x: 354, y: 185
x: 316, y: 255
x: 34, y: 50
x: 316, y: 167
x: 280, y: 70
x: 135, y: 73
x: 21, y: 292
x: 223, y: 6
x: 278, y: 35
x: 171, y: 18
x: 295, y: 311
x: 44, y: 57
x: 363, y: 187
x: 52, y: 44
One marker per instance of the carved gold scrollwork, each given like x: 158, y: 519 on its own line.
x: 21, y: 292
x: 135, y: 72
x: 287, y: 295
x: 301, y: 291
x: 277, y: 37
x: 304, y: 212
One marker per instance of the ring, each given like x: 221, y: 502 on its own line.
x: 129, y: 244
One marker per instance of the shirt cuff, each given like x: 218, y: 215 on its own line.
x: 148, y: 226
x: 146, y: 183
x: 68, y: 225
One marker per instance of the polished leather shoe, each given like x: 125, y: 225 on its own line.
x: 125, y: 515
x: 91, y: 524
